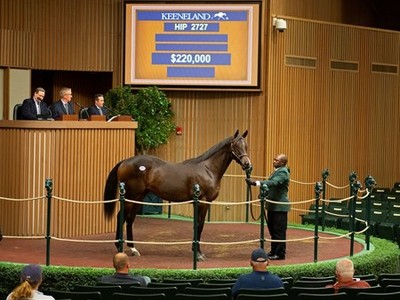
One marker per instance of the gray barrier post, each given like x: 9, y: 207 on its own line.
x: 49, y: 196
x: 263, y: 195
x: 325, y: 174
x: 248, y: 193
x: 369, y: 185
x: 318, y: 191
x: 354, y: 187
x: 195, y: 245
x: 121, y: 220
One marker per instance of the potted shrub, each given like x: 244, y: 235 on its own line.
x: 152, y: 110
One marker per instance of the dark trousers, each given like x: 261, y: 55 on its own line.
x: 277, y: 226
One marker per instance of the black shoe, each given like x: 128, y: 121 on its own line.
x: 270, y: 253
x: 276, y: 257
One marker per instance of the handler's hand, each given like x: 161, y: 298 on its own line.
x: 250, y: 181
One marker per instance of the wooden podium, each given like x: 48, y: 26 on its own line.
x: 97, y: 118
x: 77, y: 156
x: 68, y: 118
x: 124, y: 118
x: 121, y: 118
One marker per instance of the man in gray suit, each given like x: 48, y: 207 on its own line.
x: 64, y: 105
x: 278, y: 185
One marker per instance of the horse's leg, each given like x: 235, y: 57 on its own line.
x: 118, y: 231
x: 130, y: 218
x: 203, y: 209
x: 129, y: 237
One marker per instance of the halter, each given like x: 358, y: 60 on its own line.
x: 237, y: 156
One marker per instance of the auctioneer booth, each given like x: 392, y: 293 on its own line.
x: 77, y: 156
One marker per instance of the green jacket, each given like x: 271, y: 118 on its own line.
x: 278, y: 185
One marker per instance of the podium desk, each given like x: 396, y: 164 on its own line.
x: 68, y: 118
x: 77, y: 156
x: 97, y: 118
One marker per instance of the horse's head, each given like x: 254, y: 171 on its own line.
x: 239, y: 150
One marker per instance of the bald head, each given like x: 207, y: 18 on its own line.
x: 121, y: 262
x: 280, y: 160
x: 345, y: 269
x: 283, y: 158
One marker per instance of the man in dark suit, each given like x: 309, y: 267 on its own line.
x: 278, y: 185
x: 98, y: 107
x: 63, y: 106
x: 34, y: 108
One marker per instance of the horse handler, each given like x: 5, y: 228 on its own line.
x: 278, y: 184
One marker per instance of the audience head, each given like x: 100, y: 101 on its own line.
x: 32, y: 274
x: 38, y: 95
x: 259, y: 260
x: 121, y: 262
x: 31, y: 278
x: 344, y: 270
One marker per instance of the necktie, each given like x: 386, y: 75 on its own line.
x: 66, y: 108
x: 38, y: 108
x: 101, y: 113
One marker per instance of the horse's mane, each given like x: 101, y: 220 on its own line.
x: 210, y: 152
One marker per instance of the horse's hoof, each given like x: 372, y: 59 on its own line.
x: 201, y: 257
x: 135, y: 252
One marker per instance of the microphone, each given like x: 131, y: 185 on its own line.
x: 109, y: 109
x: 84, y: 109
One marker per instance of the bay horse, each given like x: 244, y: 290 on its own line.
x: 173, y: 181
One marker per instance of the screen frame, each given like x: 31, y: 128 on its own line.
x: 253, y: 44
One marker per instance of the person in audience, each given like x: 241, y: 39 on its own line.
x: 31, y: 278
x: 260, y: 277
x: 64, y: 105
x: 122, y: 267
x: 34, y: 108
x: 98, y: 107
x: 344, y: 272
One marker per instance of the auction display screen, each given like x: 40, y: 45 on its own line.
x: 192, y: 44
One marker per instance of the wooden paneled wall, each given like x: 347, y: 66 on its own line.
x: 71, y: 35
x: 336, y: 119
x: 77, y: 156
x: 354, y: 12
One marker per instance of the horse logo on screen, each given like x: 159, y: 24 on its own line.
x: 221, y: 16
x: 173, y: 181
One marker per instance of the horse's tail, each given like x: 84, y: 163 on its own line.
x: 110, y: 191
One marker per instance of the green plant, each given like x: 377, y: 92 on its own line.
x: 121, y: 100
x: 152, y: 110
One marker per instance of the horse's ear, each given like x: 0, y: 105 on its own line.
x: 245, y: 133
x: 236, y: 133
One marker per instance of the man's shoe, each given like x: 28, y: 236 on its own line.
x: 270, y: 253
x: 276, y: 257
